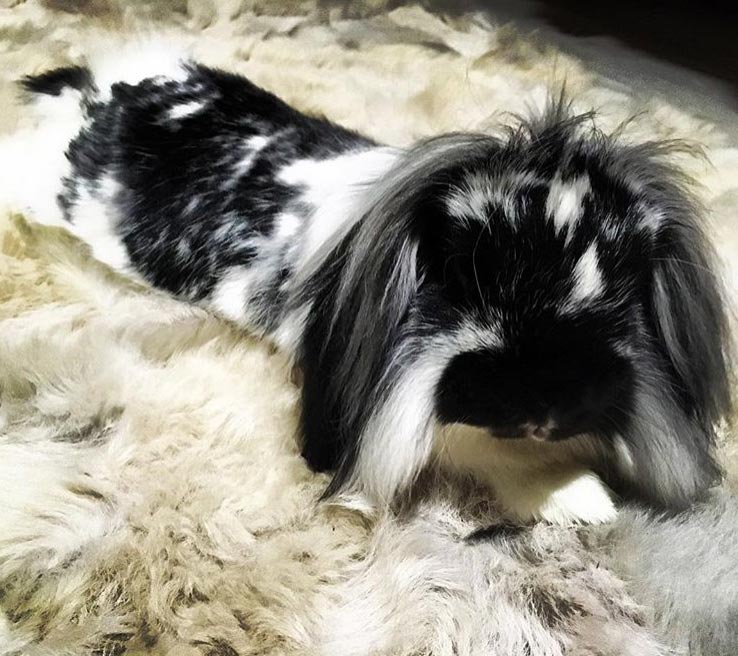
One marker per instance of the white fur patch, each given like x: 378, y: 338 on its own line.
x: 186, y: 109
x: 232, y: 292
x: 588, y: 283
x: 252, y: 146
x: 32, y: 161
x: 184, y: 250
x: 472, y: 201
x: 580, y: 497
x: 332, y: 187
x: 134, y: 62
x: 564, y: 202
x: 652, y: 219
x: 624, y: 454
x: 257, y: 142
x: 192, y: 204
x: 398, y: 438
x: 287, y: 225
x: 291, y: 328
x: 531, y: 479
x: 95, y: 219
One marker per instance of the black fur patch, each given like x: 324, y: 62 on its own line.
x: 53, y: 82
x: 179, y: 191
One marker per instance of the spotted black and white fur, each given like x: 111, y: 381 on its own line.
x: 549, y: 284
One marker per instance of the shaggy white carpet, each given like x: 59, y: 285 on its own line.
x: 152, y: 497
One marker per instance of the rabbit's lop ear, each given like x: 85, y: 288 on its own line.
x: 371, y: 366
x: 689, y: 315
x: 684, y: 382
x: 356, y: 347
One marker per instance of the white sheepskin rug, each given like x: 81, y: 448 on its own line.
x: 152, y: 495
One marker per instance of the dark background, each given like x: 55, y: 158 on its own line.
x: 685, y: 51
x: 702, y: 36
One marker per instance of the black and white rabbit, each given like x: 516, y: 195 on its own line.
x: 552, y: 287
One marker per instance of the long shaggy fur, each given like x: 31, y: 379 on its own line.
x: 529, y: 284
x: 377, y: 336
x: 154, y: 498
x: 684, y: 570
